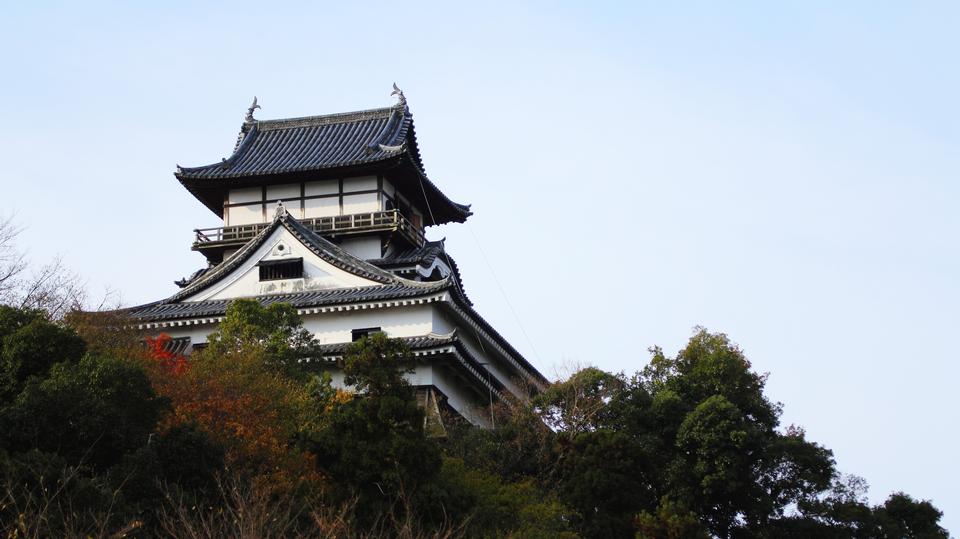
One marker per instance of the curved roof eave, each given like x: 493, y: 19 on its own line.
x: 373, y: 138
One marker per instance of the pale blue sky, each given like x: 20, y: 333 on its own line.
x: 787, y: 175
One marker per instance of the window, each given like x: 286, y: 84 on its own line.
x: 274, y: 270
x: 358, y: 334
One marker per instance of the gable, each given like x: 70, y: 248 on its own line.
x: 281, y: 245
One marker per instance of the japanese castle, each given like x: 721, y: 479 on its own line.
x: 327, y: 213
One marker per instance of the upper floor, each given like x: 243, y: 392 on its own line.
x: 347, y: 174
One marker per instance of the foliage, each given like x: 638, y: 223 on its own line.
x: 519, y: 449
x: 578, y: 404
x: 102, y: 435
x: 275, y: 331
x: 169, y: 363
x: 491, y: 507
x: 29, y: 345
x: 670, y: 521
x: 249, y: 407
x: 92, y: 412
x: 107, y: 333
x: 375, y: 444
x: 690, y: 447
x: 51, y: 288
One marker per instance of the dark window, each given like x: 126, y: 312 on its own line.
x: 274, y: 270
x: 358, y: 334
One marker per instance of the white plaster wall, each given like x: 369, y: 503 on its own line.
x: 243, y: 215
x: 362, y: 183
x: 422, y: 375
x: 462, y: 399
x: 246, y: 194
x: 389, y: 189
x: 366, y: 248
x: 444, y: 322
x: 282, y: 192
x: 197, y: 333
x: 245, y: 280
x: 363, y: 203
x: 407, y: 321
x: 336, y: 327
x: 324, y: 187
x: 321, y: 207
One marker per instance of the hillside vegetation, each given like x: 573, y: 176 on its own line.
x: 103, y: 433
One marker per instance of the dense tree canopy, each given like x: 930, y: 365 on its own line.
x: 103, y: 431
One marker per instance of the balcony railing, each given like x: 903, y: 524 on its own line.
x: 334, y: 225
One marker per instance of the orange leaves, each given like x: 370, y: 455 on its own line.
x: 158, y: 349
x: 253, y: 411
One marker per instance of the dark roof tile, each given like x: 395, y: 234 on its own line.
x: 172, y: 310
x: 382, y: 136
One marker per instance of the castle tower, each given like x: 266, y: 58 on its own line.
x: 327, y: 213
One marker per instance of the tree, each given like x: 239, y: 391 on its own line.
x: 728, y: 462
x: 579, y: 403
x: 374, y: 445
x: 276, y: 331
x: 250, y: 407
x: 520, y: 448
x: 92, y: 412
x: 29, y: 345
x: 51, y: 288
x: 12, y: 261
x: 690, y: 434
x: 844, y: 512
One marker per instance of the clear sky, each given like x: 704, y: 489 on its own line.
x: 787, y: 175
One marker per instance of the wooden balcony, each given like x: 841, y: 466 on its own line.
x: 334, y: 226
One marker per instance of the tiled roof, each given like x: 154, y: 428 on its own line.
x: 178, y: 310
x: 322, y: 247
x: 420, y: 342
x: 424, y: 257
x: 312, y: 143
x: 390, y: 285
x: 370, y: 139
x: 464, y: 358
x: 177, y: 345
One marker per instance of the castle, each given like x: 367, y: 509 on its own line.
x: 328, y: 214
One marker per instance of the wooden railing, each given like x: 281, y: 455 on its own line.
x: 337, y: 224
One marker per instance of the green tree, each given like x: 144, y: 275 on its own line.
x: 728, y: 462
x: 845, y: 513
x: 902, y: 516
x: 92, y: 412
x: 694, y: 431
x: 29, y: 345
x: 276, y: 330
x: 580, y: 403
x: 487, y: 506
x: 520, y: 448
x: 374, y: 445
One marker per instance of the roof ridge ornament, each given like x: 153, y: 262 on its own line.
x: 253, y: 106
x: 401, y: 99
x: 280, y: 211
x: 390, y: 149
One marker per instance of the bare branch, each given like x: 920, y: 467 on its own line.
x: 12, y: 260
x: 52, y: 288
